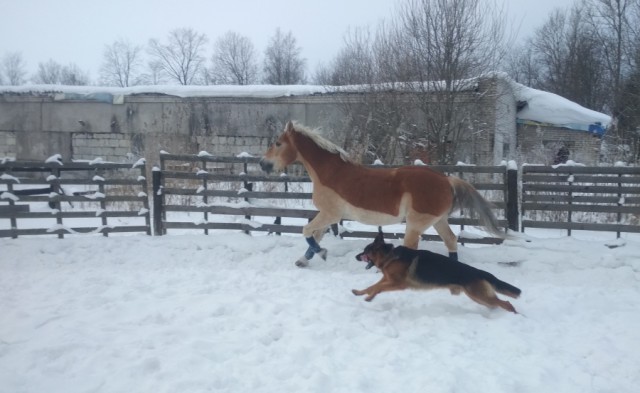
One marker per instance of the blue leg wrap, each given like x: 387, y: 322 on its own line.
x: 453, y: 255
x: 309, y: 254
x: 313, y: 244
x: 314, y: 247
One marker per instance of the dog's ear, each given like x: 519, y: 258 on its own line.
x: 380, y: 237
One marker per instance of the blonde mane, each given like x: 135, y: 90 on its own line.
x: 323, y: 143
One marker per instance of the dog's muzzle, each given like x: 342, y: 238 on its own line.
x: 266, y: 166
x: 363, y: 257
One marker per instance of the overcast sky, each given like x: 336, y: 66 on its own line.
x: 76, y: 31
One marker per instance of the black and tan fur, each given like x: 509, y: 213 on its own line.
x: 406, y: 268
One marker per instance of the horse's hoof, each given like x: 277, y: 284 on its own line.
x: 323, y: 254
x: 302, y: 262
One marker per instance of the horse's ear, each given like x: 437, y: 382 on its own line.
x: 289, y: 127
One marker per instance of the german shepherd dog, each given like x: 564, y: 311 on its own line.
x: 404, y: 268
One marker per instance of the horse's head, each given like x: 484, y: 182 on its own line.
x: 281, y: 153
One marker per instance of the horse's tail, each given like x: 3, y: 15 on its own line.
x: 466, y: 196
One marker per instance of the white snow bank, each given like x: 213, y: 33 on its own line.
x: 230, y: 313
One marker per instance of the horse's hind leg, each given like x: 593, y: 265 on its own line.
x: 412, y: 238
x: 447, y: 235
x: 416, y: 225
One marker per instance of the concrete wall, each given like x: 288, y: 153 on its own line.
x: 539, y: 145
x: 35, y: 126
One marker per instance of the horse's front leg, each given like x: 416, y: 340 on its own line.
x: 320, y: 222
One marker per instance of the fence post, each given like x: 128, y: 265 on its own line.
x: 569, y: 217
x: 205, y: 200
x: 58, y: 204
x: 12, y: 219
x: 103, y: 205
x: 157, y: 201
x: 513, y: 215
x: 247, y: 186
x: 619, y: 204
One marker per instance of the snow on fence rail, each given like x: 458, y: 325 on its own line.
x: 581, y: 198
x: 206, y: 192
x: 58, y: 197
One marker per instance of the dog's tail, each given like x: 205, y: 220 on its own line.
x: 466, y: 196
x: 504, y: 287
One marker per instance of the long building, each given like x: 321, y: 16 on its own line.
x: 506, y: 121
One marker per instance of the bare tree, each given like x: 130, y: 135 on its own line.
x: 522, y: 65
x: 53, y: 73
x: 48, y: 73
x: 393, y: 53
x: 72, y: 75
x: 569, y: 60
x: 414, y: 70
x: 282, y: 62
x: 181, y: 57
x: 613, y: 28
x: 155, y: 74
x: 616, y: 26
x: 629, y: 115
x: 121, y: 63
x: 13, y: 68
x: 375, y: 119
x: 323, y: 74
x: 354, y: 64
x: 234, y: 60
x: 449, y: 41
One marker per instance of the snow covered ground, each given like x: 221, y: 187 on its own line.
x: 230, y: 313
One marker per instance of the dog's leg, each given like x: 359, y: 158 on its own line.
x: 507, y: 306
x: 455, y: 289
x: 381, y: 286
x: 386, y: 287
x: 368, y: 289
x: 482, y: 292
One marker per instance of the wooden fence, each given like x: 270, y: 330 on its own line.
x: 232, y: 193
x: 72, y: 197
x: 207, y: 193
x: 581, y: 198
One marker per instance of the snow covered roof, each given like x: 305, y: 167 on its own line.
x: 259, y: 91
x: 540, y: 107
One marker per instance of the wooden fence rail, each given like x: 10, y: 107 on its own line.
x: 105, y: 191
x: 582, y: 198
x: 207, y: 193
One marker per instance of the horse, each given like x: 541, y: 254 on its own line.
x: 343, y: 189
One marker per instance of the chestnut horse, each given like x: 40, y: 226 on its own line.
x: 375, y: 196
